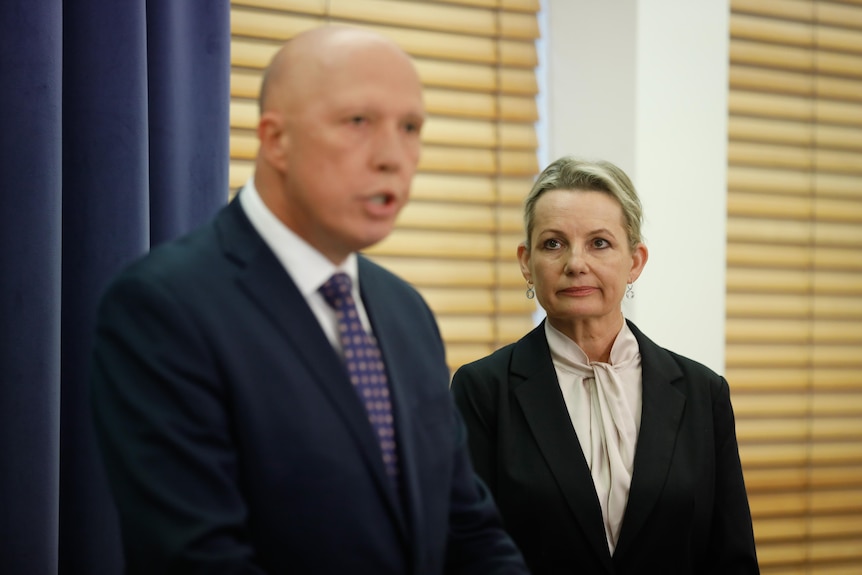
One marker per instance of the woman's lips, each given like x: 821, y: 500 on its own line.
x: 579, y: 291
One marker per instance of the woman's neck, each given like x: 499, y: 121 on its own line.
x: 595, y: 336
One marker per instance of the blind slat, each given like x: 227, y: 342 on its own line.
x: 768, y: 30
x: 450, y: 188
x: 317, y: 7
x: 428, y: 271
x: 742, y: 178
x: 450, y: 245
x: 445, y: 216
x: 413, y: 15
x: 787, y: 9
x: 837, y: 249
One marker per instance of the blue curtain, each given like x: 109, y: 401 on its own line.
x: 113, y: 138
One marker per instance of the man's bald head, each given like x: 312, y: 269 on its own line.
x: 339, y: 131
x: 311, y: 53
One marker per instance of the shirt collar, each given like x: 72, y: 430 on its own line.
x: 624, y: 348
x: 307, y: 267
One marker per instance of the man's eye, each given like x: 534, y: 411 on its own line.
x: 358, y: 120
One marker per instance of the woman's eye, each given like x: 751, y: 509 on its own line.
x: 552, y: 244
x: 358, y: 120
x: 600, y: 243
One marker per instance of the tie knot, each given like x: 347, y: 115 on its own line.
x: 337, y: 289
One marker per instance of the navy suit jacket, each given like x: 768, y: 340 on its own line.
x: 234, y: 442
x: 687, y: 511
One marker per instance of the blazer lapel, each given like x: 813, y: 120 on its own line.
x: 538, y: 393
x: 661, y: 414
x: 266, y: 282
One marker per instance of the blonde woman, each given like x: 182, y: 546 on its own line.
x: 605, y: 452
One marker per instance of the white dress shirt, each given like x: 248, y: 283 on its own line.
x: 308, y: 268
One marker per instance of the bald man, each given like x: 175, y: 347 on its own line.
x: 267, y: 400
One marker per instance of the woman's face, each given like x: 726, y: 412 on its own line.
x: 579, y: 258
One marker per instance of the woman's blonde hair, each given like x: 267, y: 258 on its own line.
x: 569, y: 173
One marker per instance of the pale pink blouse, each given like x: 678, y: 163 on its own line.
x: 604, y: 403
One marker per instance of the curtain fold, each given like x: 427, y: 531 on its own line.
x: 188, y: 56
x: 113, y: 138
x: 30, y: 168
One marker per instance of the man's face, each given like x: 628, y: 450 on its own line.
x: 352, y: 147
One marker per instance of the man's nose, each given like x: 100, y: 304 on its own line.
x: 390, y: 149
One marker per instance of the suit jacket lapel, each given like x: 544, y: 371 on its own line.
x: 380, y: 313
x: 383, y: 314
x: 538, y: 393
x: 263, y: 278
x: 660, y: 419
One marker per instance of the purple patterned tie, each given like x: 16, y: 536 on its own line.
x: 365, y: 366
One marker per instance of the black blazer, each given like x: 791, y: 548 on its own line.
x: 687, y: 511
x: 235, y: 443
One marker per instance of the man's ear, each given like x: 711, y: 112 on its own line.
x: 273, y: 140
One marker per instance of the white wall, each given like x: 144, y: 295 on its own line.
x: 643, y: 83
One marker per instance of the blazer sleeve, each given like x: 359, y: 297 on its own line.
x: 731, y: 545
x: 472, y: 390
x: 162, y: 424
x: 478, y: 542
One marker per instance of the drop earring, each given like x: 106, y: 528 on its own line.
x: 630, y: 292
x: 531, y: 292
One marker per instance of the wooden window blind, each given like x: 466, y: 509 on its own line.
x: 456, y: 239
x: 794, y: 277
